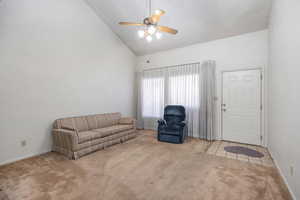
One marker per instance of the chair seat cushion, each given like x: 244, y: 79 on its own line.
x: 101, y: 132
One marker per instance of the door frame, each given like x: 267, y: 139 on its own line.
x: 262, y: 97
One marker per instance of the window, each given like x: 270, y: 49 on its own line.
x: 191, y: 85
x: 153, y: 97
x: 184, y: 90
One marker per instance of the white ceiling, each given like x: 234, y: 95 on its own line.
x: 196, y: 20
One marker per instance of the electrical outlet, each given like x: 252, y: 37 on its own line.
x: 292, y: 170
x: 23, y: 143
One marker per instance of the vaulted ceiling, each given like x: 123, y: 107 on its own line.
x: 196, y: 20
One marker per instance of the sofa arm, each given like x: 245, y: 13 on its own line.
x: 128, y: 120
x: 64, y: 139
x: 68, y: 128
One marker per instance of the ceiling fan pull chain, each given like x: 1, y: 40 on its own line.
x: 149, y: 7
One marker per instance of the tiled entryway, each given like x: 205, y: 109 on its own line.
x: 217, y: 148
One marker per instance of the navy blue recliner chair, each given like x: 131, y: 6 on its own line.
x: 172, y: 128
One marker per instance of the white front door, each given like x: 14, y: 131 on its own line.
x: 241, y: 106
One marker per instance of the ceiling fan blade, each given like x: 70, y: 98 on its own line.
x: 167, y: 29
x: 156, y: 16
x: 159, y: 12
x: 131, y: 24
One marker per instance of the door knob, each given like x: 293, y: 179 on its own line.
x: 224, y: 109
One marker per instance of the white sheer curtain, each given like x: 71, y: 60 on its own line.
x: 153, y: 92
x: 207, y: 100
x: 190, y: 85
x: 140, y: 121
x: 184, y: 89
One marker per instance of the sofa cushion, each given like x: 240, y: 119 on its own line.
x: 84, y: 136
x: 113, y: 118
x: 66, y: 123
x: 100, y: 119
x: 109, y: 119
x: 92, y: 121
x: 72, y: 123
x: 81, y: 123
x: 96, y: 141
x: 112, y: 129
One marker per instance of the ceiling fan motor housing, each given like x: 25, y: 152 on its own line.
x: 148, y: 21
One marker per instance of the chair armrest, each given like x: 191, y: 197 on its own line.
x: 182, y: 124
x: 161, y: 122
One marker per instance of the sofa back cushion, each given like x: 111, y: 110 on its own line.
x: 89, y: 122
x: 108, y: 119
x: 79, y: 123
x: 92, y: 121
x: 66, y: 123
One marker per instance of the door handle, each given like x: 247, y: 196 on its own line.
x: 224, y: 109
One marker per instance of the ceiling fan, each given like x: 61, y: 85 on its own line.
x: 150, y: 25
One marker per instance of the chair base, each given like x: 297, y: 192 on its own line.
x: 169, y: 138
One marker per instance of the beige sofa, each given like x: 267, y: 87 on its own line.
x: 78, y: 136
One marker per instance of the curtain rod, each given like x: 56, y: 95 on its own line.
x: 170, y: 66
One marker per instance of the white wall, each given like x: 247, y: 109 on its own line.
x: 57, y: 59
x: 239, y: 52
x: 284, y: 95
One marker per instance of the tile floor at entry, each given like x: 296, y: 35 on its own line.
x: 217, y: 148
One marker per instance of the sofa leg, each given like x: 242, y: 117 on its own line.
x: 74, y: 157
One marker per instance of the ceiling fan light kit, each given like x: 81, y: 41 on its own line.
x: 149, y: 38
x: 150, y: 26
x: 158, y: 35
x: 151, y: 29
x: 141, y: 33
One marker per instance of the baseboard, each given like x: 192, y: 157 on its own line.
x: 282, y: 175
x: 22, y: 158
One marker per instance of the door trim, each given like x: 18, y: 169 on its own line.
x: 262, y: 117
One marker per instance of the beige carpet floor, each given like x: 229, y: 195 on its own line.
x: 141, y: 169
